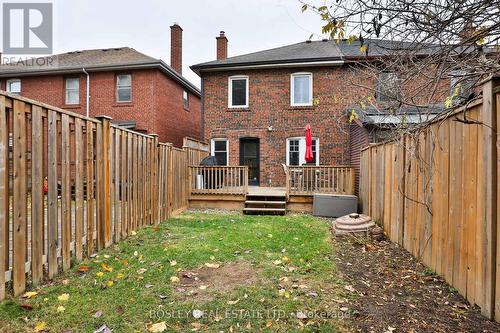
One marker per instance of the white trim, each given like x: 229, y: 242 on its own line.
x: 292, y: 76
x: 212, y: 147
x: 230, y: 90
x: 8, y: 83
x: 302, y: 150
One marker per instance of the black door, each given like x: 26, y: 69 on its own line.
x: 249, y: 155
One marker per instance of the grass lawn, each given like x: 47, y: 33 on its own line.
x: 240, y: 273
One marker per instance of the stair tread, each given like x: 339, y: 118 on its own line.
x: 266, y: 202
x: 264, y: 209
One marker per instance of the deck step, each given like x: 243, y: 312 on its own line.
x: 263, y: 202
x: 256, y: 210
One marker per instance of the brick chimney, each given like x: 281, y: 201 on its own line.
x: 176, y: 48
x: 221, y: 46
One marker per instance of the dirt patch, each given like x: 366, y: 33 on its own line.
x: 394, y: 291
x: 205, y: 282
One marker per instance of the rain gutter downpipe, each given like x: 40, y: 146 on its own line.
x: 87, y: 96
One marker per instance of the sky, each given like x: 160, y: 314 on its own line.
x: 250, y: 25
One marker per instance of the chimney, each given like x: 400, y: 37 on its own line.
x: 221, y: 46
x: 176, y: 48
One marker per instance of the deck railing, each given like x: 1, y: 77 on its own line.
x: 218, y: 179
x: 307, y: 180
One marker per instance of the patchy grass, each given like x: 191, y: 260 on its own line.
x: 263, y: 272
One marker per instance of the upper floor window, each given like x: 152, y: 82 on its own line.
x: 185, y: 99
x: 72, y: 90
x: 296, y: 151
x: 14, y: 86
x: 388, y: 87
x: 238, y: 92
x: 301, y: 89
x: 124, y: 88
x: 219, y: 149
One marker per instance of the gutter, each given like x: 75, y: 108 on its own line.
x: 87, y: 95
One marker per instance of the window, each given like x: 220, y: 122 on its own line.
x: 72, y: 91
x: 238, y: 92
x: 219, y: 149
x: 301, y: 89
x: 461, y: 86
x: 124, y: 88
x: 185, y: 99
x: 388, y: 88
x: 14, y: 86
x: 296, y: 151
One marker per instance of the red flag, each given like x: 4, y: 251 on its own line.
x: 309, y: 153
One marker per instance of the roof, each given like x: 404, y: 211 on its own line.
x: 315, y: 53
x: 95, y: 60
x: 407, y: 114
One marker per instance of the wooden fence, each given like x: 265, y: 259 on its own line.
x: 307, y: 180
x: 436, y: 194
x: 218, y: 180
x: 102, y: 182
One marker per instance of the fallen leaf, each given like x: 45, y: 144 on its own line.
x: 349, y: 288
x: 107, y: 256
x: 119, y: 310
x: 99, y: 273
x: 148, y: 286
x: 106, y: 267
x: 40, y: 326
x: 158, y: 327
x: 61, y: 309
x: 300, y: 315
x: 110, y: 283
x: 133, y: 233
x: 141, y: 270
x: 173, y: 263
x: 120, y: 276
x: 233, y: 302
x: 174, y: 279
x: 98, y: 314
x: 26, y: 306
x: 30, y: 294
x: 63, y: 297
x: 103, y: 329
x: 269, y: 324
x: 65, y: 282
x: 83, y: 269
x: 136, y: 253
x: 203, y: 287
x: 210, y: 265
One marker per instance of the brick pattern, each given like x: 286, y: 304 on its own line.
x: 271, y: 118
x: 156, y: 105
x: 176, y: 48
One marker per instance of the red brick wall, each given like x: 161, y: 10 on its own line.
x: 269, y: 105
x: 156, y: 101
x: 173, y: 122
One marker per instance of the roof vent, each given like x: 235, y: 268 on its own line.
x: 308, y: 41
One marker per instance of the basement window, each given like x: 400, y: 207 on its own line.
x: 238, y: 92
x: 124, y: 88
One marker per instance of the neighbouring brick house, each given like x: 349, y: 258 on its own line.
x: 137, y: 91
x: 256, y: 106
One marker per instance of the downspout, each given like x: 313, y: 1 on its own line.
x: 87, y: 97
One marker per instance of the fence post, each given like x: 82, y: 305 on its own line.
x: 170, y: 177
x: 4, y: 193
x: 155, y: 185
x: 103, y: 184
x: 488, y: 120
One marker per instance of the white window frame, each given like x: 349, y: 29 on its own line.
x: 292, y: 92
x: 9, y: 82
x: 117, y: 88
x: 230, y: 91
x: 185, y: 101
x: 212, y: 147
x: 302, y: 150
x: 66, y: 90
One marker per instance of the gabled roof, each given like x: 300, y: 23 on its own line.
x: 122, y: 58
x: 314, y: 53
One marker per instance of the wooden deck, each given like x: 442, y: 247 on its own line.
x: 269, y: 191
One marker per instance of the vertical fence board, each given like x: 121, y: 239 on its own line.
x: 78, y: 189
x: 19, y: 203
x: 4, y: 194
x: 65, y: 193
x: 89, y: 128
x: 37, y: 198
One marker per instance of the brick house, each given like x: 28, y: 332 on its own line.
x: 137, y: 91
x: 256, y: 106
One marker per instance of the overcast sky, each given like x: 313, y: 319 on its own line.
x: 250, y: 25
